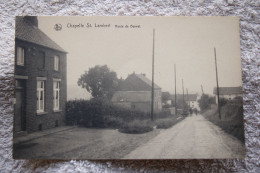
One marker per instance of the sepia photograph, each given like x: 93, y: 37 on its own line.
x: 127, y: 88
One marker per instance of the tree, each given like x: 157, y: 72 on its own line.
x: 204, y: 102
x: 165, y: 97
x: 100, y: 81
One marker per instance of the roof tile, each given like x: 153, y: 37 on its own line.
x: 26, y: 31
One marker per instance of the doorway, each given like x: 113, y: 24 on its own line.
x: 19, y: 108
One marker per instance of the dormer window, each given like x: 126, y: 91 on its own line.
x: 56, y: 63
x: 20, y: 56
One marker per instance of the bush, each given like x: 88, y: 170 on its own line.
x: 103, y: 114
x: 205, y: 101
x: 231, y: 119
x: 137, y: 127
x: 113, y: 122
x: 223, y: 101
x: 165, y: 113
x: 99, y: 113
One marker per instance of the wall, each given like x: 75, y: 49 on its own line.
x: 30, y: 69
x: 140, y: 102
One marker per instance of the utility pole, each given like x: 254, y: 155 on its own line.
x: 183, y: 95
x: 217, y: 83
x: 175, y: 90
x: 202, y: 89
x: 152, y: 103
x: 187, y: 95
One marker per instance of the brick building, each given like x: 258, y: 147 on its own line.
x: 135, y: 93
x: 40, y: 78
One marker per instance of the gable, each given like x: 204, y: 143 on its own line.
x: 26, y: 31
x: 137, y: 82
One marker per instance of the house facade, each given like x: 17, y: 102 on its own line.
x: 190, y: 99
x: 228, y: 93
x: 135, y: 93
x: 40, y: 79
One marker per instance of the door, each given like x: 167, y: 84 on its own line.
x: 19, y: 111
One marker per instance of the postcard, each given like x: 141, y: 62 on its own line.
x: 128, y: 88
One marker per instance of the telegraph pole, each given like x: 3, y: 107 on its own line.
x: 183, y: 95
x: 187, y: 96
x: 217, y: 83
x: 175, y: 90
x: 202, y: 89
x: 152, y: 103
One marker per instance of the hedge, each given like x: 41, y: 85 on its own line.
x: 99, y: 113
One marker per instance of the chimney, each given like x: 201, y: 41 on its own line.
x: 32, y: 19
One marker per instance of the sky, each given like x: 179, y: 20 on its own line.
x: 188, y: 42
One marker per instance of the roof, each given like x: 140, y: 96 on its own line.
x: 228, y: 90
x: 132, y: 96
x: 147, y: 81
x: 137, y: 82
x: 27, y: 31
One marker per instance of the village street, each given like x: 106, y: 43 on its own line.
x: 194, y: 137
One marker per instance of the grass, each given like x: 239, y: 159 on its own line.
x: 231, y: 119
x: 142, y: 126
x: 137, y: 127
x: 113, y: 122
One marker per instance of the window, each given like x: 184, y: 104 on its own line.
x: 40, y: 96
x: 56, y: 63
x: 20, y: 56
x: 56, y: 95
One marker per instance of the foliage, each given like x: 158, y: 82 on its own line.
x: 99, y: 113
x: 137, y: 126
x: 165, y: 97
x: 100, y: 81
x: 223, y: 101
x: 166, y: 106
x: 232, y: 120
x: 205, y: 101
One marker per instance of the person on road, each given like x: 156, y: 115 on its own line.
x: 196, y: 111
x: 190, y: 110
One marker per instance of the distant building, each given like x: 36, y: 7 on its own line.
x: 228, y: 92
x: 190, y: 99
x: 40, y: 78
x: 135, y: 93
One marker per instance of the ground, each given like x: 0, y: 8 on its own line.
x: 78, y: 143
x: 193, y: 137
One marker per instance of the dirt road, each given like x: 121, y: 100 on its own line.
x: 79, y: 143
x: 194, y: 137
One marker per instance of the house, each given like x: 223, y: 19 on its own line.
x: 40, y: 78
x: 190, y: 99
x: 135, y: 93
x: 228, y: 92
